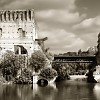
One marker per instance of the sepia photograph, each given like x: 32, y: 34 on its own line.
x: 49, y: 49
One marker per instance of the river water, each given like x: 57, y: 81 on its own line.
x: 67, y: 90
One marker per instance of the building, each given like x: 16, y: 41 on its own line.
x: 92, y: 50
x: 18, y: 31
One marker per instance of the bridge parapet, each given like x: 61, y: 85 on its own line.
x: 74, y: 59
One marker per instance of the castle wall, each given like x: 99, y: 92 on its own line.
x: 17, y: 27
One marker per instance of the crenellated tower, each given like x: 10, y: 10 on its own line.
x: 18, y: 31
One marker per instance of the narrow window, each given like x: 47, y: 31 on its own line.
x: 21, y: 33
x: 0, y: 32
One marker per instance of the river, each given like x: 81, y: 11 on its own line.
x: 66, y: 90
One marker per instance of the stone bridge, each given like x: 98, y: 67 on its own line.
x: 80, y: 59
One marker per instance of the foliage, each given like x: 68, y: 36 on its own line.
x: 10, y: 64
x: 49, y: 56
x: 2, y: 79
x: 73, y: 68
x: 26, y: 73
x: 78, y: 68
x: 48, y: 73
x: 22, y: 80
x: 25, y: 77
x: 61, y: 70
x: 37, y: 61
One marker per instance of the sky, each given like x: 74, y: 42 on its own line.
x: 70, y: 25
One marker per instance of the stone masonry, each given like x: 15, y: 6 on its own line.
x: 18, y: 31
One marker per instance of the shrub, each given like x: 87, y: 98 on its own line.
x: 24, y: 78
x: 10, y: 64
x: 61, y: 71
x: 48, y: 73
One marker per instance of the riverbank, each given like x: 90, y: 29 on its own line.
x: 72, y: 77
x: 78, y: 77
x: 3, y: 81
x: 97, y: 77
x: 84, y: 78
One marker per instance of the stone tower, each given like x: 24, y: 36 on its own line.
x: 98, y: 50
x: 18, y: 31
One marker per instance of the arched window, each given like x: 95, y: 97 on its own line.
x: 19, y: 49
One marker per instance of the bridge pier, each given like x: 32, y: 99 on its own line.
x: 90, y: 78
x: 92, y: 68
x: 95, y: 63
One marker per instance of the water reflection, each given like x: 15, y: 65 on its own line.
x: 16, y: 92
x: 75, y: 91
x: 44, y: 93
x: 68, y: 90
x: 97, y: 91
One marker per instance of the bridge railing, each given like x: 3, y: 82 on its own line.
x: 74, y: 59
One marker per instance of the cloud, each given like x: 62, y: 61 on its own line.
x: 89, y: 24
x: 88, y: 30
x: 39, y: 4
x: 5, y: 2
x: 60, y: 40
x: 60, y: 16
x: 61, y: 22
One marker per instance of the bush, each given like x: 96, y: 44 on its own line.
x: 10, y: 64
x: 24, y: 78
x: 61, y: 71
x: 48, y: 73
x: 37, y: 61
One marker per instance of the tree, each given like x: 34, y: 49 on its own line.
x: 37, y: 61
